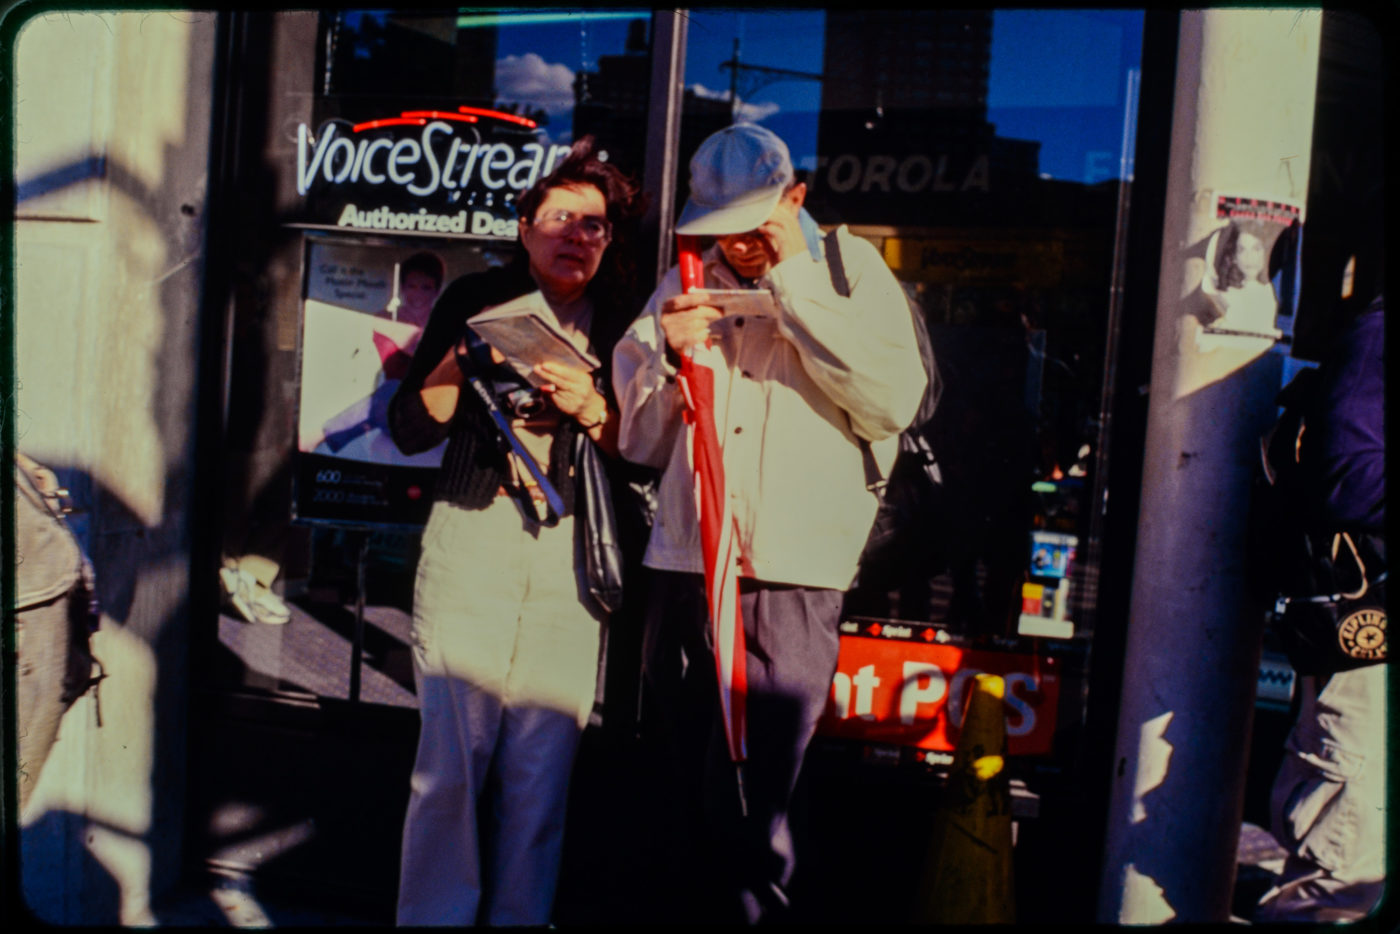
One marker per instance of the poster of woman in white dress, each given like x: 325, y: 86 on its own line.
x: 1242, y: 306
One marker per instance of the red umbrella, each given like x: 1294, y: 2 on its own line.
x: 718, y: 542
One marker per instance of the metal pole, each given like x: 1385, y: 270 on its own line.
x: 357, y: 650
x: 1242, y: 125
x: 664, y: 131
x: 734, y: 84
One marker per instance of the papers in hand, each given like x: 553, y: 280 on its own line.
x: 751, y: 302
x: 526, y: 332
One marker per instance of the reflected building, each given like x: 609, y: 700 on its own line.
x: 904, y: 120
x: 428, y: 52
x: 1004, y: 264
x: 611, y: 103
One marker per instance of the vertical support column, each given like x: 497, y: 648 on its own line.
x: 1241, y: 127
x: 112, y: 136
x: 668, y: 33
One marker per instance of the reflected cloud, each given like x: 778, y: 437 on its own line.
x: 751, y: 113
x: 530, y: 78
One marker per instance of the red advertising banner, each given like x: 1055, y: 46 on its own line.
x: 892, y: 689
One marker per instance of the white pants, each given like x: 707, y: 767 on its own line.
x: 1328, y: 802
x: 505, y: 659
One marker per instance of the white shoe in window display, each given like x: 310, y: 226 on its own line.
x: 251, y: 596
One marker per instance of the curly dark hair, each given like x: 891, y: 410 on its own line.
x: 1227, y: 272
x: 626, y: 204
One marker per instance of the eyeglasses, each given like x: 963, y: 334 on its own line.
x: 558, y: 223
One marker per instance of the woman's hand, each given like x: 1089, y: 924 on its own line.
x: 572, y: 390
x: 573, y: 394
x: 686, y: 320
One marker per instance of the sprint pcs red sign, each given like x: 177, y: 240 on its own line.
x: 894, y: 684
x: 438, y: 172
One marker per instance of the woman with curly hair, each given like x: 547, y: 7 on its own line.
x: 506, y: 636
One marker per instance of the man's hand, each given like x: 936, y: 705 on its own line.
x: 686, y: 320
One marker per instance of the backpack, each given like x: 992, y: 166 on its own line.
x: 911, y: 495
x: 1323, y: 589
x: 54, y: 581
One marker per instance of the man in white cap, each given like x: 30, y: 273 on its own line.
x: 800, y: 391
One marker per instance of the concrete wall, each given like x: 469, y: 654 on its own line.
x: 112, y: 135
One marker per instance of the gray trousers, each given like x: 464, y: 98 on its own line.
x: 1328, y: 802
x: 42, y: 636
x: 792, y: 643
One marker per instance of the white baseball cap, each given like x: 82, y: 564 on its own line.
x: 736, y: 178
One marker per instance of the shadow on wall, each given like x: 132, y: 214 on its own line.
x: 54, y: 846
x: 106, y: 822
x: 93, y: 838
x: 156, y: 566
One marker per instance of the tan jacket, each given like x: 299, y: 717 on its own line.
x: 791, y: 396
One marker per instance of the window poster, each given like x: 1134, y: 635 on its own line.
x: 364, y: 308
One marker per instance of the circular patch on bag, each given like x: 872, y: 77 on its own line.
x: 1362, y: 635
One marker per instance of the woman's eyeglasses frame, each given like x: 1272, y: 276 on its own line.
x: 560, y: 222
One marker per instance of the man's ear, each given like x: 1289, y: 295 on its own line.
x: 796, y: 195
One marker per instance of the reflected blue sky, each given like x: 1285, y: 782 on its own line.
x: 1060, y: 77
x: 1057, y: 77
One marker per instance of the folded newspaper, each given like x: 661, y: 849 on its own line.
x: 527, y: 333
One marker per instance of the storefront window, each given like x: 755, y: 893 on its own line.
x: 421, y: 131
x: 988, y: 170
x: 990, y: 181
x: 988, y: 173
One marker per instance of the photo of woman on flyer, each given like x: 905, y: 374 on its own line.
x: 1238, y: 280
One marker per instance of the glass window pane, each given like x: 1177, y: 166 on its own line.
x: 570, y: 73
x: 982, y: 151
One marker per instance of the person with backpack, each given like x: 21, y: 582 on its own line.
x: 56, y: 612
x: 1327, y: 457
x: 805, y: 388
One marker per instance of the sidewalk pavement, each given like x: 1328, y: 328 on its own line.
x: 234, y: 902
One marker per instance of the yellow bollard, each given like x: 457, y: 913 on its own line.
x: 967, y: 878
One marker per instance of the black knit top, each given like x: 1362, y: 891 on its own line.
x: 474, y: 465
